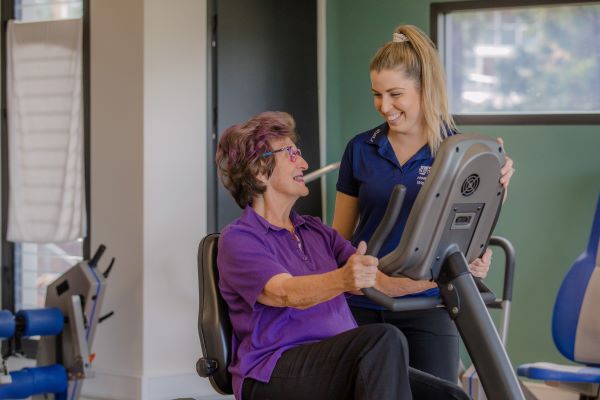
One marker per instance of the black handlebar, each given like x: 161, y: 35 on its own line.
x: 419, y: 303
x: 94, y: 261
x: 388, y: 221
x: 381, y: 233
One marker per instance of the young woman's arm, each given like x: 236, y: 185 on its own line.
x: 345, y: 216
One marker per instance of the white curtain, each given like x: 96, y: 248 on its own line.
x: 45, y: 131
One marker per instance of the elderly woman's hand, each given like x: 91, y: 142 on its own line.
x: 360, y: 271
x: 480, y: 266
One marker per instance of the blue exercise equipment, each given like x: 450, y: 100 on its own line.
x: 33, y: 381
x: 7, y: 324
x: 67, y: 326
x: 576, y: 325
x: 42, y: 322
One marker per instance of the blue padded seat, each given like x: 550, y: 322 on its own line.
x: 575, y: 320
x: 557, y: 372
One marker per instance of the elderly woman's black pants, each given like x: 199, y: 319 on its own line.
x: 432, y: 337
x: 369, y: 362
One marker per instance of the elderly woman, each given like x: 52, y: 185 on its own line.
x: 284, y: 275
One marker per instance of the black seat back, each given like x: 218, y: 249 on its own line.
x: 214, y: 325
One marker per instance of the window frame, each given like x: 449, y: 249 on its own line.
x: 437, y: 13
x: 29, y: 346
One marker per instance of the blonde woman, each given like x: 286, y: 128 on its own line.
x: 409, y: 92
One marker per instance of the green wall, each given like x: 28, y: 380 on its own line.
x: 552, y: 196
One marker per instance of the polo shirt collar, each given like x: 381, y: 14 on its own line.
x: 250, y: 216
x: 378, y: 137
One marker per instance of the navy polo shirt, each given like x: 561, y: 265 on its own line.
x: 369, y: 171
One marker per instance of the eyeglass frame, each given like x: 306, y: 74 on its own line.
x: 293, y: 155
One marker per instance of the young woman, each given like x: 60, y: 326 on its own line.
x: 407, y: 81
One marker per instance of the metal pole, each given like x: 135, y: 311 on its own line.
x: 477, y: 330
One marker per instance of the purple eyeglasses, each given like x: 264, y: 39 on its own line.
x: 293, y: 152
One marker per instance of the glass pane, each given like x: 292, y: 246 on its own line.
x: 525, y: 60
x: 37, y: 265
x: 46, y: 10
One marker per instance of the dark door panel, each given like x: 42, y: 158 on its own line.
x: 265, y: 58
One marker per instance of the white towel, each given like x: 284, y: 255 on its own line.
x: 45, y: 131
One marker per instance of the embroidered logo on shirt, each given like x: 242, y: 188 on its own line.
x: 423, y: 174
x: 374, y: 135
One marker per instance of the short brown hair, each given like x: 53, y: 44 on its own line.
x: 239, y: 153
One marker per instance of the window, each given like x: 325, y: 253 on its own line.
x: 46, y: 10
x: 507, y: 62
x: 34, y: 265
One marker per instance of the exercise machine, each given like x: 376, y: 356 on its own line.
x: 449, y: 226
x: 576, y: 326
x: 451, y: 222
x: 67, y: 326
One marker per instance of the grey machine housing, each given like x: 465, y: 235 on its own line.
x: 471, y: 196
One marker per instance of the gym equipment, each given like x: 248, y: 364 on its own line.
x: 453, y: 217
x: 215, y: 332
x: 576, y: 325
x: 7, y: 324
x: 67, y: 326
x: 469, y: 379
x: 450, y: 225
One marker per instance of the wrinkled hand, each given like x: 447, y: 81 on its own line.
x: 360, y: 271
x: 507, y: 170
x: 481, y: 266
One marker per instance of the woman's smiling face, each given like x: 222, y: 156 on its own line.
x: 288, y: 176
x: 398, y: 100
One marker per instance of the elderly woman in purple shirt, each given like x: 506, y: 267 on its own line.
x: 284, y: 275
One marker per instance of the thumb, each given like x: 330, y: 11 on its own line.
x: 361, y: 248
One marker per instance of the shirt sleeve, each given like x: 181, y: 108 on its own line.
x: 246, y: 264
x: 346, y: 182
x: 341, y: 248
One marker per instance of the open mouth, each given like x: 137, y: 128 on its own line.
x: 299, y: 178
x: 393, y: 117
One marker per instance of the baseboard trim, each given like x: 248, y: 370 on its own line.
x: 108, y: 386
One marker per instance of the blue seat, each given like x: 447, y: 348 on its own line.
x: 576, y: 324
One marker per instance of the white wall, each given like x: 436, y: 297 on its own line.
x: 148, y: 133
x: 174, y: 190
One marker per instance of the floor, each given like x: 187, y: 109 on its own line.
x: 541, y: 391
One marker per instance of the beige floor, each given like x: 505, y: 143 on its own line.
x: 541, y: 391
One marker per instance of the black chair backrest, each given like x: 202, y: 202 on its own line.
x: 214, y: 325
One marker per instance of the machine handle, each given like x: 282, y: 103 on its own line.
x: 509, y: 264
x: 420, y: 303
x: 388, y: 221
x: 381, y: 233
x: 94, y: 261
x: 402, y: 304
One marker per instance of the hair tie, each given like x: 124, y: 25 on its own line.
x: 399, y: 37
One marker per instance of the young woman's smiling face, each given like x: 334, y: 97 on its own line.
x: 398, y: 100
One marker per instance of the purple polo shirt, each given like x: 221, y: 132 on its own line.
x: 252, y: 251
